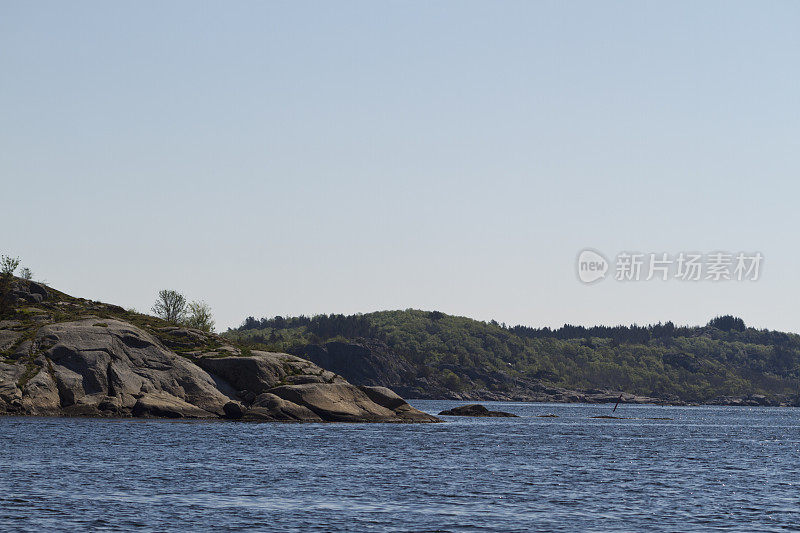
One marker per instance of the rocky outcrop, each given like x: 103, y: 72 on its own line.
x: 110, y: 367
x: 279, y: 386
x: 260, y: 371
x: 98, y: 363
x: 476, y: 410
x: 753, y: 400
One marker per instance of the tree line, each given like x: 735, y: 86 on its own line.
x: 695, y: 363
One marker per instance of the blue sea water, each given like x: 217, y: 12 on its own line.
x: 706, y: 468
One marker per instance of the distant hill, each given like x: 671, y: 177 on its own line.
x: 433, y: 355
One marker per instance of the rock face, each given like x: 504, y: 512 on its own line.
x: 96, y: 363
x: 364, y: 362
x: 110, y: 367
x: 475, y: 410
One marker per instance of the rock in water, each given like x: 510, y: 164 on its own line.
x: 475, y: 409
x: 343, y: 402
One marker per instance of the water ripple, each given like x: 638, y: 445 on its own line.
x: 733, y: 469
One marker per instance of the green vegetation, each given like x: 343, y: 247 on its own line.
x: 8, y: 265
x: 172, y: 307
x: 723, y: 358
x: 199, y: 317
x: 31, y: 369
x: 27, y: 318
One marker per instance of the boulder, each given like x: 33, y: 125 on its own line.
x: 384, y: 397
x: 343, y: 402
x: 233, y: 410
x: 271, y: 408
x: 264, y: 370
x: 165, y: 405
x: 389, y: 399
x: 338, y: 402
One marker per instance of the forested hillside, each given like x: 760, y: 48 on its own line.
x: 478, y: 359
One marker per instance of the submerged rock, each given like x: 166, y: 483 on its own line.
x: 475, y: 410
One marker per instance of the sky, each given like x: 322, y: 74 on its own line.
x: 286, y: 158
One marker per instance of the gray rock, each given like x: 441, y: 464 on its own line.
x: 264, y: 370
x: 384, y: 397
x: 8, y: 338
x: 90, y: 363
x: 233, y: 410
x: 40, y: 395
x: 387, y: 398
x: 269, y: 407
x: 164, y: 405
x: 343, y: 402
x: 475, y: 410
x: 335, y: 402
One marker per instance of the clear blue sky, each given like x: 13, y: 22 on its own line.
x: 316, y: 157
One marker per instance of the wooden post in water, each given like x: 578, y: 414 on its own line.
x: 616, y: 404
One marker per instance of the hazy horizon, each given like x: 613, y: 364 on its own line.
x: 306, y: 158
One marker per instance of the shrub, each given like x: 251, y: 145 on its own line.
x: 200, y: 317
x: 8, y: 265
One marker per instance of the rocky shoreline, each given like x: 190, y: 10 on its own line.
x: 65, y: 356
x: 607, y: 396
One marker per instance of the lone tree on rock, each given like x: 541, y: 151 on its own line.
x: 171, y: 306
x: 200, y: 317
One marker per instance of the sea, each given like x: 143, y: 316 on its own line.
x: 553, y: 468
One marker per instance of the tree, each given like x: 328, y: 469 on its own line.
x: 26, y: 273
x: 171, y: 306
x: 727, y: 323
x: 8, y: 265
x: 200, y: 317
